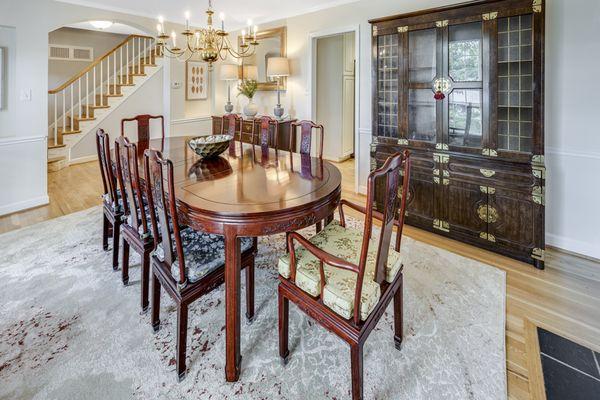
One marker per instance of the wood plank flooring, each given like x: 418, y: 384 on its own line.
x: 564, y: 298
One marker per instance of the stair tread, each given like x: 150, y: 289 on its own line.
x: 96, y: 107
x: 56, y: 159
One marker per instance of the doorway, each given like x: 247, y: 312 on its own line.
x: 334, y: 89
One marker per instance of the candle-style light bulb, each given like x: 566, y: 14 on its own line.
x: 158, y: 28
x: 174, y: 38
x: 222, y: 17
x: 187, y: 20
x: 243, y: 36
x: 255, y: 30
x: 161, y: 22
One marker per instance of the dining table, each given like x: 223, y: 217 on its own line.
x: 247, y: 191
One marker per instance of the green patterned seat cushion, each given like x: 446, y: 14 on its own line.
x: 339, y: 290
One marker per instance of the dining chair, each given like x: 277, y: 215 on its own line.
x: 264, y: 133
x: 112, y: 204
x: 344, y: 278
x: 143, y: 126
x: 187, y: 263
x: 306, y: 130
x: 234, y: 126
x: 135, y: 229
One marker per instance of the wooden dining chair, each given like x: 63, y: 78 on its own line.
x: 187, y: 263
x: 135, y: 229
x: 143, y: 126
x: 234, y: 126
x: 264, y: 132
x: 306, y: 130
x: 346, y: 288
x: 112, y: 205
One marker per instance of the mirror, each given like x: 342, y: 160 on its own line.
x: 272, y: 43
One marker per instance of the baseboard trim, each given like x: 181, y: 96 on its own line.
x: 574, y: 246
x: 24, y: 205
x: 81, y: 160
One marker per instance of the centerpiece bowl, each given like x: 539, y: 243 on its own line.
x: 211, y: 145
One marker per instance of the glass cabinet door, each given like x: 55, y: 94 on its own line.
x: 387, y: 85
x: 465, y: 69
x: 515, y: 84
x: 422, y: 69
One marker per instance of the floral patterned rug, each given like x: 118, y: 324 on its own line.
x: 69, y: 329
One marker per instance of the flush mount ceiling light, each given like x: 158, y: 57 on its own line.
x: 101, y: 24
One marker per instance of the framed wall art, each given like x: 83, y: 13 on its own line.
x: 196, y: 80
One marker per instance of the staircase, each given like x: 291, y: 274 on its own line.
x: 78, y: 106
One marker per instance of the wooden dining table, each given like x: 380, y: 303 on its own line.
x: 248, y: 191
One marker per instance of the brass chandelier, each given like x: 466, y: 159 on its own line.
x: 209, y: 43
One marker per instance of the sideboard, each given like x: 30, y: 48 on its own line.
x: 283, y: 135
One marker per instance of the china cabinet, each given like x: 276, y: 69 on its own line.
x: 462, y: 88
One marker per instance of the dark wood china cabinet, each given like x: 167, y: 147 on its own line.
x: 462, y: 88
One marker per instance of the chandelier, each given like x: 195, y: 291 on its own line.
x: 209, y: 43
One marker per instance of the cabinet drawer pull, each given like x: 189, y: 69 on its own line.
x: 487, y: 172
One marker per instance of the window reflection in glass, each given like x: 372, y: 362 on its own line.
x: 464, y: 52
x: 464, y: 118
x: 421, y: 115
x: 422, y: 55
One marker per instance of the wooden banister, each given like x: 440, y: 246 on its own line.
x: 95, y: 63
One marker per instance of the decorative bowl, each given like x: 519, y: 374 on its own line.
x: 211, y: 145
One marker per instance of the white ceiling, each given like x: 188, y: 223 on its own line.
x: 114, y: 28
x: 236, y: 11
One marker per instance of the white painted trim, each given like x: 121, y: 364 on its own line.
x: 84, y: 159
x: 191, y: 120
x: 7, y: 141
x: 574, y: 246
x: 312, y: 68
x: 573, y: 153
x: 364, y: 131
x: 24, y: 205
x: 362, y: 189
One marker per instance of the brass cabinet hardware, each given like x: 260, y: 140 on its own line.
x: 441, y: 24
x: 374, y: 30
x: 538, y: 254
x: 488, y: 173
x: 487, y: 213
x: 487, y: 236
x: 538, y: 195
x: 489, y: 152
x: 537, y: 6
x: 441, y: 225
x: 441, y: 146
x: 403, y: 141
x: 489, y: 16
x: 487, y: 189
x: 539, y: 172
x: 402, y: 29
x: 441, y: 158
x: 538, y: 159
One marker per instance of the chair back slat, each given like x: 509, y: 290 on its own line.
x: 130, y: 184
x: 108, y: 179
x: 265, y: 123
x: 143, y: 126
x: 233, y: 121
x: 306, y: 130
x: 163, y: 204
x: 392, y: 208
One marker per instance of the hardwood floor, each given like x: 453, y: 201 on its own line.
x: 564, y: 298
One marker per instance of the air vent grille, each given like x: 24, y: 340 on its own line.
x: 70, y: 53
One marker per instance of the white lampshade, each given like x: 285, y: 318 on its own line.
x: 250, y: 72
x: 278, y: 66
x: 229, y: 72
x: 101, y: 24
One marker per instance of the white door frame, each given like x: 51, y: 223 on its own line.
x: 312, y: 80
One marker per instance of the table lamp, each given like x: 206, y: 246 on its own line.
x: 229, y: 73
x: 278, y: 67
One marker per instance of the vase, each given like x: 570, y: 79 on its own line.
x: 250, y: 109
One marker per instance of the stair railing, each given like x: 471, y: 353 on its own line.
x: 102, y: 77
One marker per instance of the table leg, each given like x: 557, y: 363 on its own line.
x: 232, y: 306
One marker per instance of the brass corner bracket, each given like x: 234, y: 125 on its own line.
x: 441, y: 146
x: 374, y: 30
x: 441, y: 24
x: 487, y: 236
x: 402, y: 29
x: 538, y: 254
x: 441, y: 158
x: 440, y: 225
x: 489, y: 152
x: 403, y: 141
x: 489, y: 16
x: 537, y: 6
x: 538, y: 195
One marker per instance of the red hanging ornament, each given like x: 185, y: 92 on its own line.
x: 439, y: 95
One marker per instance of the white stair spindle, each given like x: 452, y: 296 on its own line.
x: 55, y: 119
x: 127, y: 64
x: 87, y: 94
x: 101, y: 83
x: 79, y: 95
x: 64, y: 111
x: 71, y: 109
x: 94, y: 88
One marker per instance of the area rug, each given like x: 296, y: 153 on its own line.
x: 69, y: 329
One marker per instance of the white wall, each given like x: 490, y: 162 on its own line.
x: 572, y: 103
x: 330, y: 68
x: 8, y: 43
